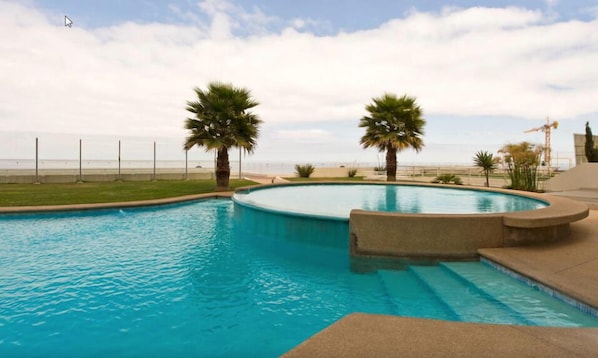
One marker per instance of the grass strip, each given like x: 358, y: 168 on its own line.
x: 104, y: 192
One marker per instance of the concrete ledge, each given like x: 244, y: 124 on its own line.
x: 368, y: 335
x: 423, y: 235
x: 460, y: 236
x: 560, y: 211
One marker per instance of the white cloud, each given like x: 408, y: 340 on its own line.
x: 186, y: 15
x: 228, y: 18
x: 592, y: 11
x: 309, y: 134
x: 305, y: 24
x: 134, y: 79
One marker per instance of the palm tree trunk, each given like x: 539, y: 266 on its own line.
x: 487, y: 172
x: 391, y: 164
x: 222, y: 170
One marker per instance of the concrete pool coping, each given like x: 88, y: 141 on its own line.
x: 569, y: 266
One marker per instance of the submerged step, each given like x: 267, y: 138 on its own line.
x: 537, y: 308
x: 469, y: 303
x: 412, y: 298
x: 368, y: 294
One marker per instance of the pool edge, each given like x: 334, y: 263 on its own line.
x: 367, y: 335
x: 113, y: 205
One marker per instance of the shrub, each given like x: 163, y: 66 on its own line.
x: 447, y: 179
x: 304, y: 171
x: 591, y: 150
x: 522, y: 162
x: 380, y: 168
x: 352, y: 172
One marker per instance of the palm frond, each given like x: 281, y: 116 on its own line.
x: 393, y: 122
x: 221, y: 118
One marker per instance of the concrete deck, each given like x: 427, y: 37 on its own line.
x: 587, y: 196
x: 366, y: 335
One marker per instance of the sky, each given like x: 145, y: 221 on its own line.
x: 125, y: 70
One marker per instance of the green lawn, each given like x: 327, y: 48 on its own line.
x: 61, y: 194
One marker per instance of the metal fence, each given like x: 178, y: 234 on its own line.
x: 67, y: 158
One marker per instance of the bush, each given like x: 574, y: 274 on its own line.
x: 352, y: 172
x: 522, y: 162
x: 591, y: 150
x: 447, y: 179
x: 304, y: 171
x: 380, y: 168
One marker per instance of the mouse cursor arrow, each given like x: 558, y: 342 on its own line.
x: 67, y: 22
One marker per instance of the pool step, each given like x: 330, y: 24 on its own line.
x: 370, y: 295
x: 408, y: 295
x: 469, y: 303
x: 517, y: 296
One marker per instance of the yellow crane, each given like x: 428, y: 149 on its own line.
x: 546, y: 129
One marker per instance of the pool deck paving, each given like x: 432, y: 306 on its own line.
x: 369, y: 335
x: 570, y: 267
x: 588, y: 196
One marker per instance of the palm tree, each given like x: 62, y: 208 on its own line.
x: 221, y: 121
x: 486, y: 162
x: 393, y: 124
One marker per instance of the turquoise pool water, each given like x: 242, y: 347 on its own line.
x: 337, y: 200
x: 183, y: 280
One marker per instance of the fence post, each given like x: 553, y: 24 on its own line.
x: 36, y: 161
x: 80, y: 161
x: 186, y: 161
x: 154, y: 161
x: 468, y: 176
x: 118, y: 176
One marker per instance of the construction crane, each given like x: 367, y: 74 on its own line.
x: 546, y: 129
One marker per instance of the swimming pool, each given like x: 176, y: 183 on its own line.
x: 184, y: 280
x: 334, y: 200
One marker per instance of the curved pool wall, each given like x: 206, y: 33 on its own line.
x: 416, y: 235
x: 315, y: 230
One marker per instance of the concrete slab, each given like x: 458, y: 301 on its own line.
x: 587, y: 196
x: 367, y: 335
